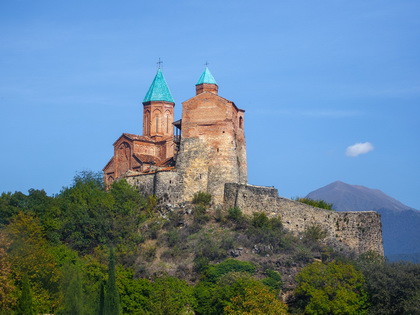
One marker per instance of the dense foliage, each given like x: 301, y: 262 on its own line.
x: 315, y: 203
x: 88, y: 250
x: 332, y: 288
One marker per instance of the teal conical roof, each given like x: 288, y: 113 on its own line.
x: 206, y: 77
x: 158, y: 90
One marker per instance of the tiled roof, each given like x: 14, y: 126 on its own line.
x: 137, y: 137
x: 145, y: 158
x: 159, y: 90
x: 206, y: 77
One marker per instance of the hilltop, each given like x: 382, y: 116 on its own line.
x: 192, y: 258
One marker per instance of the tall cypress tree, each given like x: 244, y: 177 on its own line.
x: 25, y: 306
x: 101, y: 299
x: 112, y: 298
x: 73, y: 294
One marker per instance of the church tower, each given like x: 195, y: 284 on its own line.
x: 213, y: 149
x: 206, y: 83
x: 158, y: 109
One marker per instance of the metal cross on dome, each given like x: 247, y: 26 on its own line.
x: 159, y: 63
x: 206, y: 64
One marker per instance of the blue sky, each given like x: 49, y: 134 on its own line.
x: 315, y: 77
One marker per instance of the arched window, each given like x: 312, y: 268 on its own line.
x: 147, y: 123
x: 167, y: 121
x: 241, y: 122
x: 157, y: 121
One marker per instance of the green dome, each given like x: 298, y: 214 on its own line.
x: 206, y: 77
x: 159, y: 90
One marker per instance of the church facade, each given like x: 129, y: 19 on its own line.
x: 207, y: 150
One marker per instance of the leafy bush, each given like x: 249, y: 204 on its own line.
x: 273, y: 280
x: 236, y: 293
x: 267, y: 232
x: 215, y: 272
x: 315, y: 203
x: 171, y: 295
x: 200, y: 214
x: 234, y: 214
x: 173, y: 237
x: 255, y: 299
x: 303, y: 254
x: 333, y: 288
x: 201, y: 198
x: 200, y: 264
x: 393, y: 288
x: 260, y: 220
x: 209, y: 247
x: 314, y: 233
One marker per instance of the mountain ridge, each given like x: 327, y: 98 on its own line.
x: 346, y: 197
x: 400, y: 223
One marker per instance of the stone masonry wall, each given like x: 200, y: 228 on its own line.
x: 213, y: 149
x: 166, y: 185
x: 349, y: 231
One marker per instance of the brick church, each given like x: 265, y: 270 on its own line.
x: 206, y: 151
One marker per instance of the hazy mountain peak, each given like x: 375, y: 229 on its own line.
x: 348, y: 197
x: 400, y: 223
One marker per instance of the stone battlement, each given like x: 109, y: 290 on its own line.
x: 349, y: 231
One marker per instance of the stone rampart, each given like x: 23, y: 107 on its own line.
x: 166, y: 185
x: 349, y: 231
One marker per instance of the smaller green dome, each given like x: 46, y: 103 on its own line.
x: 206, y: 77
x: 159, y: 90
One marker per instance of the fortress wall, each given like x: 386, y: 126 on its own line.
x: 213, y: 150
x: 251, y: 198
x: 349, y: 231
x: 192, y: 165
x: 166, y: 185
x: 144, y: 183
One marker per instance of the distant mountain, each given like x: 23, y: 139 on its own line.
x: 347, y: 197
x: 400, y: 223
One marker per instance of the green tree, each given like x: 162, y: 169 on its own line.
x: 9, y: 206
x: 94, y: 276
x: 273, y: 280
x: 101, y: 308
x: 112, y: 297
x: 216, y: 271
x: 216, y: 298
x: 86, y: 213
x: 332, y: 288
x: 128, y: 211
x: 393, y: 288
x: 30, y: 254
x: 25, y: 305
x: 135, y: 293
x: 171, y: 296
x: 255, y: 300
x: 36, y: 203
x: 72, y: 287
x: 7, y: 286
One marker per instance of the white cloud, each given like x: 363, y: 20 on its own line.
x: 359, y: 148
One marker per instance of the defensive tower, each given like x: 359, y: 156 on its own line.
x: 213, y: 150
